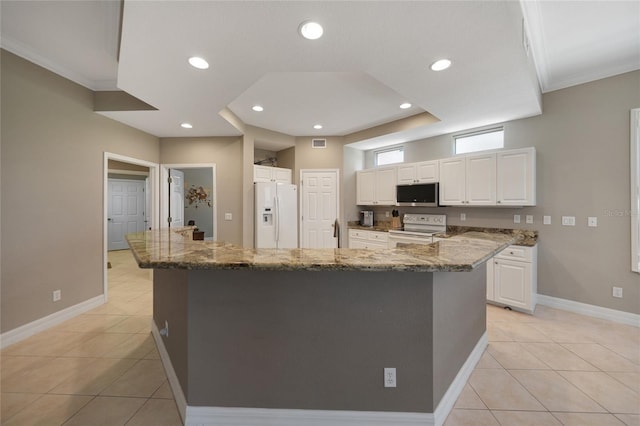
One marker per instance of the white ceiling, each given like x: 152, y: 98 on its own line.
x: 372, y: 57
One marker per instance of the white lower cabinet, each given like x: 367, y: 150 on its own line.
x: 512, y: 278
x: 368, y: 239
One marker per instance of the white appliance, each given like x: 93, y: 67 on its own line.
x: 418, y: 229
x: 276, y: 209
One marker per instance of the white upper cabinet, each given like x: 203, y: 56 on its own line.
x: 453, y: 174
x: 376, y: 187
x: 365, y: 187
x: 481, y: 180
x: 503, y: 178
x: 386, y: 186
x: 468, y: 180
x: 271, y: 174
x: 516, y: 177
x: 423, y: 172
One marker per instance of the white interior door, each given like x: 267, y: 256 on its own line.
x: 319, y: 208
x: 125, y: 212
x: 176, y: 200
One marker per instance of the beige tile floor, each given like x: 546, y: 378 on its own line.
x: 102, y: 368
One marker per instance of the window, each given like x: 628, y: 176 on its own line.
x: 390, y: 156
x: 635, y: 190
x: 479, y: 141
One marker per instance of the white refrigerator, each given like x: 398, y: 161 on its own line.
x: 276, y: 209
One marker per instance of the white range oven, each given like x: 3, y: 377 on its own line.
x: 418, y: 229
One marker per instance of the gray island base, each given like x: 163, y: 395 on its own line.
x: 253, y: 346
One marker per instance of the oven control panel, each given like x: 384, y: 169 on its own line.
x: 425, y: 219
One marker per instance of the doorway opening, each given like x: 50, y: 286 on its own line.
x: 189, y: 197
x: 128, y: 174
x: 128, y: 204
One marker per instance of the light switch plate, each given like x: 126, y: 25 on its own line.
x: 546, y: 220
x: 592, y: 222
x: 568, y: 221
x: 516, y: 218
x: 463, y: 216
x: 529, y: 218
x: 228, y: 216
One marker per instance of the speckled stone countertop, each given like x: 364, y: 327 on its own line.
x: 522, y: 237
x: 168, y: 249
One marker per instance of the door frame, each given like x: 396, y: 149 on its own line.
x: 152, y: 196
x: 164, y: 191
x: 301, y: 202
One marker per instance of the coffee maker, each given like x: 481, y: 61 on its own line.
x: 366, y: 218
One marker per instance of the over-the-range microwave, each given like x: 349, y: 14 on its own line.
x: 417, y: 194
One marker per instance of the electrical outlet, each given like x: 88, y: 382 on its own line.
x: 386, y: 214
x: 389, y: 377
x: 617, y: 292
x: 516, y: 218
x: 529, y: 218
x: 228, y: 216
x: 165, y: 331
x: 463, y: 217
x: 546, y: 220
x: 57, y: 295
x: 592, y: 222
x: 568, y: 221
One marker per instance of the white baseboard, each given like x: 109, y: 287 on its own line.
x: 455, y: 389
x: 178, y: 394
x: 229, y: 416
x: 590, y: 310
x: 17, y: 334
x: 232, y: 416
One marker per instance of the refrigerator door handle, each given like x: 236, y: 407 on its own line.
x: 276, y: 200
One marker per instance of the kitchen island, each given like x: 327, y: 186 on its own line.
x: 302, y: 336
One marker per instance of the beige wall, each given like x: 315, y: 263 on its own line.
x: 227, y: 154
x: 53, y: 148
x: 318, y: 158
x: 582, y: 143
x: 287, y: 158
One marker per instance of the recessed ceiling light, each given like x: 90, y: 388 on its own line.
x: 198, y: 62
x: 440, y: 65
x: 318, y: 126
x: 186, y: 125
x: 310, y: 30
x: 405, y: 105
x: 257, y: 108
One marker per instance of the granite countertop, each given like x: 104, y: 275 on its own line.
x: 171, y: 249
x: 522, y: 237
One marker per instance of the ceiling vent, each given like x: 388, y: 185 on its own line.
x: 318, y: 143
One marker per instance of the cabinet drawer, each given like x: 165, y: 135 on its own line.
x: 369, y: 235
x: 521, y: 253
x: 379, y: 236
